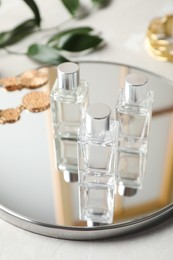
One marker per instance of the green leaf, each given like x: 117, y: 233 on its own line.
x: 101, y: 3
x: 35, y: 10
x: 18, y: 33
x: 75, y: 40
x: 45, y: 54
x: 79, y: 42
x: 55, y: 38
x: 71, y: 5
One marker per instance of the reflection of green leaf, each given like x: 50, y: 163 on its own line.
x: 44, y: 54
x: 55, y: 38
x: 78, y: 42
x: 71, y: 5
x: 18, y: 33
x: 101, y: 3
x: 35, y: 10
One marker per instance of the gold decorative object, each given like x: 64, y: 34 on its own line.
x: 159, y: 37
x: 10, y: 115
x: 11, y: 83
x: 30, y: 79
x: 34, y: 78
x: 35, y: 101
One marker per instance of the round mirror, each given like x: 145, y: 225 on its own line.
x: 35, y: 196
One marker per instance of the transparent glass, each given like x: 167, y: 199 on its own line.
x: 66, y: 154
x: 97, y: 160
x: 68, y: 109
x: 134, y: 124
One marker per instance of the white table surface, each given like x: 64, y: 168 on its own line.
x: 123, y: 25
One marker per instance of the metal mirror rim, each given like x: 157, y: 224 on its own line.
x: 87, y: 233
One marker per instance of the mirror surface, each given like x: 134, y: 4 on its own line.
x: 30, y: 184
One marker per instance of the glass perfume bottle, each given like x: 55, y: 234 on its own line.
x: 133, y: 111
x: 97, y: 155
x: 69, y: 99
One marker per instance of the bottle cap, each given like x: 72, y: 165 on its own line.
x: 97, y: 118
x: 68, y: 75
x: 70, y: 176
x: 91, y: 223
x: 135, y: 88
x: 126, y: 191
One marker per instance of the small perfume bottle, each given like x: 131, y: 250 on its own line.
x: 97, y: 155
x: 133, y: 111
x: 69, y: 99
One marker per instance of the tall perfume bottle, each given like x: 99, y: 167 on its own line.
x: 97, y: 155
x: 69, y: 99
x: 133, y: 111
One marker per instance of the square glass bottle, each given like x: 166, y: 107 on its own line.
x: 133, y: 111
x: 69, y: 99
x: 97, y: 160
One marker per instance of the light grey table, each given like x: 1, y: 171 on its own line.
x: 123, y: 25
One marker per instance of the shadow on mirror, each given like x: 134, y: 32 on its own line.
x: 30, y: 183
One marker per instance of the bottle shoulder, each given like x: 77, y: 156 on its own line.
x: 142, y: 107
x: 105, y: 138
x: 72, y: 96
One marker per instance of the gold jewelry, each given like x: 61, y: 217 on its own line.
x: 30, y: 79
x: 159, y: 35
x: 10, y: 115
x: 36, y: 101
x: 33, y: 102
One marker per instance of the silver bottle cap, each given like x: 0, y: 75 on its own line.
x: 135, y: 88
x: 70, y: 176
x: 91, y: 223
x: 68, y: 75
x: 97, y: 118
x: 126, y: 191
